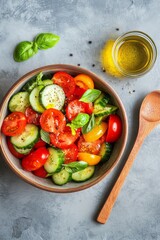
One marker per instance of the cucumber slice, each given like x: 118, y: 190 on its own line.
x: 105, y: 151
x: 28, y: 138
x: 19, y: 102
x: 23, y: 150
x: 102, y: 101
x: 84, y: 174
x: 106, y: 111
x: 52, y: 96
x: 47, y: 82
x: 34, y: 99
x: 62, y: 177
x: 54, y: 161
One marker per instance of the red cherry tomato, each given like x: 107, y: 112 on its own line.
x: 89, y: 147
x: 71, y: 154
x: 40, y: 172
x: 76, y: 95
x: 14, y: 124
x: 65, y: 81
x: 88, y: 108
x: 13, y: 151
x: 32, y: 116
x: 78, y: 92
x: 76, y: 107
x: 64, y: 139
x: 35, y: 159
x: 52, y: 120
x: 114, y: 130
x: 39, y: 144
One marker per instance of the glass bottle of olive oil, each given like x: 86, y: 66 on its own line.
x: 131, y: 55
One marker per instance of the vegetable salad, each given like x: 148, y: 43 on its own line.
x: 61, y: 127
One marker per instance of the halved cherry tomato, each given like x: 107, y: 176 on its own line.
x: 32, y: 116
x: 40, y: 143
x: 91, y: 159
x: 76, y: 95
x: 88, y: 107
x: 65, y: 81
x: 89, y: 147
x: 52, y: 120
x: 40, y: 172
x: 102, y: 139
x: 76, y: 107
x: 13, y: 151
x: 64, y: 139
x: 71, y: 153
x: 14, y: 124
x: 84, y: 81
x: 114, y: 128
x: 35, y: 159
x: 96, y: 132
x: 79, y: 92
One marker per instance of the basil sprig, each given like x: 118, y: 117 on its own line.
x: 90, y: 95
x: 91, y: 123
x: 75, y: 166
x: 25, y: 49
x: 79, y: 121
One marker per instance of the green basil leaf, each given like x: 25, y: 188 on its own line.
x: 45, y: 136
x: 76, y: 166
x: 46, y: 40
x: 24, y: 50
x: 88, y: 127
x: 90, y: 95
x: 80, y: 120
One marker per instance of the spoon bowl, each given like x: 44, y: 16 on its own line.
x: 150, y: 108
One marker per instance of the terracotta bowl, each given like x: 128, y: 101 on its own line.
x: 101, y: 171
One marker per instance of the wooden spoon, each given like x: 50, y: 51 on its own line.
x: 149, y: 117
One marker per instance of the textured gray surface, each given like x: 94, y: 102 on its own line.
x: 29, y: 213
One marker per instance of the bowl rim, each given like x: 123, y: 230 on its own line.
x: 54, y: 68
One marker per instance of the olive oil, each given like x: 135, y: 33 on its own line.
x: 131, y: 55
x: 134, y: 55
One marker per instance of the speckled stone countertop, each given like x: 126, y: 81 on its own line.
x: 27, y: 213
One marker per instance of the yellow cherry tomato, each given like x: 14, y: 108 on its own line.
x: 84, y: 81
x: 91, y: 159
x: 96, y: 132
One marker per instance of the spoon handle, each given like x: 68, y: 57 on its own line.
x: 108, y: 205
